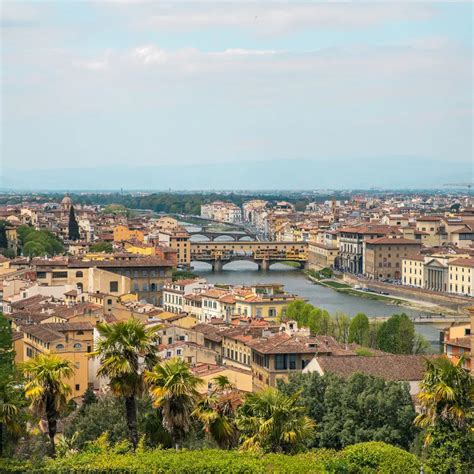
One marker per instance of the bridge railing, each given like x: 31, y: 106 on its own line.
x: 213, y: 254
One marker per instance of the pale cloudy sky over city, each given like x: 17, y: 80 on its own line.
x: 310, y: 88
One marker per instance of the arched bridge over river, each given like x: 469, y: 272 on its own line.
x: 264, y: 254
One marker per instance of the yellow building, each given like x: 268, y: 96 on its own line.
x: 413, y: 271
x: 265, y: 306
x: 241, y: 379
x: 70, y: 341
x: 461, y: 276
x: 123, y: 233
x: 322, y: 255
x: 139, y: 248
x: 177, y: 238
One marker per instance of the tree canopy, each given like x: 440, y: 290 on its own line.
x: 361, y: 408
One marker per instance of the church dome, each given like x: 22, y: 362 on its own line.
x: 67, y: 201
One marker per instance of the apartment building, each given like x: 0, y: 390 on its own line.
x: 177, y: 238
x: 383, y: 257
x: 352, y: 248
x: 145, y: 276
x: 461, y: 276
x: 174, y: 293
x: 70, y: 341
x: 276, y: 356
x: 222, y: 211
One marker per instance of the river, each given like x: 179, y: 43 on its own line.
x: 295, y: 281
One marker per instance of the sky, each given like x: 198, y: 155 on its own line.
x: 203, y: 95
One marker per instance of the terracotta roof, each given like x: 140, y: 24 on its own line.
x: 464, y: 342
x: 388, y: 241
x: 462, y: 262
x: 212, y: 333
x: 295, y: 344
x: 32, y: 300
x: 388, y: 367
x: 214, y: 293
x: 60, y: 327
x: 42, y: 332
x: 370, y: 229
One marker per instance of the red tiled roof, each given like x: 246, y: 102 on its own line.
x: 388, y: 367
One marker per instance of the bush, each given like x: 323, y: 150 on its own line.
x: 364, y: 458
x: 380, y: 458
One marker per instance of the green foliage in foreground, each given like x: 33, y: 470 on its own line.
x: 364, y: 458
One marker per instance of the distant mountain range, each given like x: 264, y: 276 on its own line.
x: 388, y: 172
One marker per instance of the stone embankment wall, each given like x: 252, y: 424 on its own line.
x: 458, y: 303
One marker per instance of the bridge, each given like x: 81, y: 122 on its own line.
x: 214, y: 234
x: 264, y: 254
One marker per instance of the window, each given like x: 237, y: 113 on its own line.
x: 79, y: 274
x: 59, y: 346
x: 178, y: 352
x: 77, y: 345
x: 281, y: 362
x: 78, y: 387
x: 59, y: 274
x: 41, y: 274
x: 113, y: 286
x: 80, y: 333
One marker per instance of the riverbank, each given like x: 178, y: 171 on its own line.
x: 424, y: 306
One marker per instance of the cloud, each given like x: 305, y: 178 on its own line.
x: 274, y: 18
x: 18, y: 15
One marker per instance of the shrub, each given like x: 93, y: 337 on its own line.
x: 381, y: 458
x: 366, y: 458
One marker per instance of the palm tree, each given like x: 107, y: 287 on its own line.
x: 273, y: 421
x: 124, y: 350
x: 173, y: 389
x: 217, y: 412
x: 446, y: 395
x: 46, y: 390
x: 10, y: 406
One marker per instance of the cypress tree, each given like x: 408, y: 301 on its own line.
x: 3, y: 235
x: 73, y: 226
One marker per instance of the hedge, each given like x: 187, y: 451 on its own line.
x: 363, y: 458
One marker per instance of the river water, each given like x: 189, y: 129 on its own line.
x: 246, y: 273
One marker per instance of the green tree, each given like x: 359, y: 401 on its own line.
x: 216, y: 412
x: 106, y: 247
x: 7, y: 354
x: 397, y: 335
x: 361, y: 408
x: 446, y: 398
x: 73, y: 227
x: 46, y: 390
x: 107, y: 414
x: 274, y: 422
x: 173, y: 388
x: 341, y: 327
x: 10, y: 407
x: 121, y: 348
x: 36, y: 243
x: 359, y: 329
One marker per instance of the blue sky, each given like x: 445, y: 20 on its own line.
x: 130, y: 84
